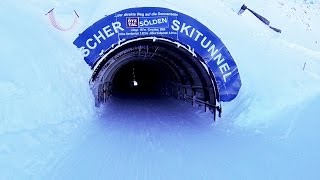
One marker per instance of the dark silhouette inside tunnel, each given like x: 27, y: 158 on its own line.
x: 140, y: 78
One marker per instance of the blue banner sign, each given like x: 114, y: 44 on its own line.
x: 165, y: 23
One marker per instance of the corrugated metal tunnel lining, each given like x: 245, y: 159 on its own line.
x: 148, y: 67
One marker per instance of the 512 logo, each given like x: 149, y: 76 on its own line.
x: 133, y: 22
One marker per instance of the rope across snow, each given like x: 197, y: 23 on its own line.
x: 57, y: 25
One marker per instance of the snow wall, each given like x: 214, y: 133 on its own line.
x: 45, y: 81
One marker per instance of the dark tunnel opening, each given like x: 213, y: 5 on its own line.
x: 140, y: 77
x: 146, y: 67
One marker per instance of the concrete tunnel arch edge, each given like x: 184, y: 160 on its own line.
x: 157, y: 22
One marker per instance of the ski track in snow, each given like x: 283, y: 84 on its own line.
x: 137, y: 136
x: 140, y: 139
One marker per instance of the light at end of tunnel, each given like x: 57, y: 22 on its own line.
x: 135, y: 83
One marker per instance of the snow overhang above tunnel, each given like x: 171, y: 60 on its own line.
x: 117, y: 28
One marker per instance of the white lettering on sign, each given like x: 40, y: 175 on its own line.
x: 133, y: 22
x: 100, y: 36
x: 205, y: 43
x: 107, y: 31
x: 89, y: 45
x: 152, y: 22
x: 117, y: 27
x: 184, y: 29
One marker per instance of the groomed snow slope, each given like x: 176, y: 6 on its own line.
x: 50, y: 129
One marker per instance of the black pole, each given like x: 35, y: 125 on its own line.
x: 275, y: 29
x: 76, y: 13
x: 49, y: 11
x: 262, y: 19
x: 242, y: 9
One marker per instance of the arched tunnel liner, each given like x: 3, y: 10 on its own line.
x: 158, y: 51
x: 160, y: 67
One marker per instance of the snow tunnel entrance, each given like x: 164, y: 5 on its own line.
x: 158, y: 51
x: 153, y: 67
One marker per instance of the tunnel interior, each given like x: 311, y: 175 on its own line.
x: 153, y: 68
x: 141, y: 77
